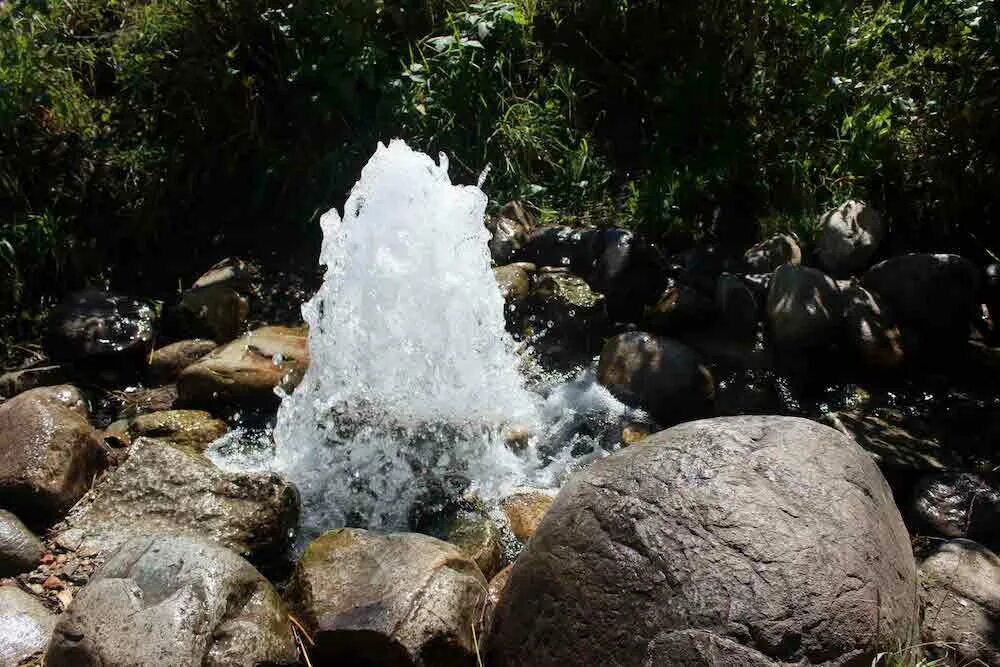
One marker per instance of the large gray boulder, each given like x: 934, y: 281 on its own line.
x: 392, y: 600
x: 960, y: 585
x: 174, y: 601
x: 849, y: 236
x: 803, y: 308
x: 49, y: 453
x: 659, y: 375
x: 166, y: 489
x: 25, y: 626
x: 733, y: 541
x: 20, y: 549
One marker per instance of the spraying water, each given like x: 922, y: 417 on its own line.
x: 413, y: 381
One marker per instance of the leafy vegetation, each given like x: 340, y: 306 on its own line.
x: 132, y: 130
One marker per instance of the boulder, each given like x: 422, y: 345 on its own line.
x: 803, y: 308
x: 167, y: 362
x: 871, y: 330
x: 736, y: 304
x: 25, y: 626
x: 627, y: 272
x: 513, y: 281
x: 195, y: 429
x: 135, y: 401
x: 848, y: 238
x: 758, y: 541
x: 771, y: 253
x: 936, y: 295
x: 49, y: 453
x: 507, y: 238
x: 659, y: 375
x: 216, y: 312
x: 477, y: 537
x: 18, y: 382
x: 959, y: 505
x: 524, y: 511
x: 679, y: 308
x: 102, y: 329
x: 166, y: 489
x: 20, y: 550
x: 231, y: 272
x: 248, y: 370
x: 557, y: 245
x: 569, y: 314
x: 493, y: 594
x: 960, y: 585
x: 397, y: 599
x: 176, y: 601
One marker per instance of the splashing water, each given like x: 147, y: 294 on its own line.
x: 412, y: 379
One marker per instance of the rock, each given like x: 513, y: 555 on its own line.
x: 514, y: 283
x: 216, y: 312
x: 937, y: 295
x: 493, y: 594
x: 397, y: 599
x: 959, y: 505
x: 848, y: 238
x: 568, y: 312
x: 20, y: 550
x: 659, y: 375
x: 961, y: 591
x: 137, y: 401
x: 247, y: 371
x: 25, y: 626
x: 166, y: 363
x: 803, y: 308
x: 174, y: 601
x: 508, y: 238
x: 231, y: 272
x: 186, y: 428
x: 731, y: 541
x: 557, y: 245
x: 772, y: 253
x: 165, y: 489
x: 627, y: 272
x: 520, y: 212
x: 49, y: 453
x: 736, y: 305
x: 102, y: 329
x: 871, y: 330
x: 633, y: 435
x: 895, y: 441
x: 18, y: 382
x: 679, y: 308
x: 477, y: 537
x: 524, y: 511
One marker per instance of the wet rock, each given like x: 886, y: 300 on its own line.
x: 165, y: 489
x: 959, y: 505
x: 894, y: 440
x: 137, y: 401
x: 678, y: 309
x: 803, y: 308
x: 18, y: 382
x: 736, y: 305
x: 513, y: 281
x: 524, y: 511
x: 960, y: 586
x: 713, y: 541
x: 937, y: 295
x: 102, y: 329
x: 247, y: 371
x: 509, y: 236
x: 231, y: 272
x: 216, y: 312
x: 771, y: 253
x: 49, y: 453
x: 25, y: 626
x: 627, y: 272
x: 567, y: 311
x: 20, y: 550
x: 849, y: 236
x: 174, y: 601
x: 659, y: 375
x: 493, y: 594
x: 561, y: 246
x: 871, y: 330
x: 167, y: 362
x: 477, y: 537
x: 398, y: 599
x: 195, y: 429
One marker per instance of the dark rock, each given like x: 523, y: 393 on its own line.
x: 102, y: 329
x: 194, y: 429
x: 733, y: 541
x: 959, y: 505
x: 231, y: 272
x: 769, y: 254
x: 849, y: 236
x: 215, y: 312
x: 25, y: 626
x: 514, y: 283
x: 20, y: 550
x: 804, y: 308
x: 18, y: 382
x: 659, y: 375
x: 937, y: 295
x: 246, y: 371
x: 167, y: 362
x: 627, y: 272
x: 960, y: 584
x: 678, y: 309
x: 871, y: 330
x: 49, y: 453
x: 556, y: 245
x: 139, y: 401
x: 398, y: 599
x: 166, y: 489
x: 567, y: 312
x: 174, y: 601
x: 894, y: 440
x: 507, y: 240
x: 736, y: 304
